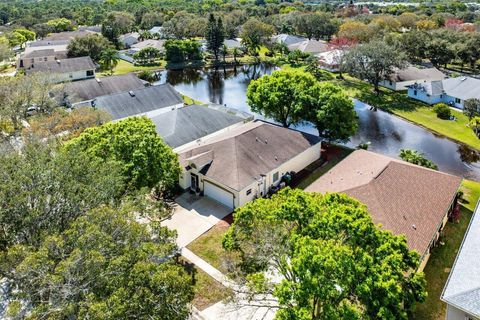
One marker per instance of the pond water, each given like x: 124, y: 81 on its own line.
x: 385, y: 133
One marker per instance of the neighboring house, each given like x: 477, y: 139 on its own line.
x: 247, y: 162
x: 402, y: 197
x: 189, y: 126
x: 158, y: 44
x: 66, y: 69
x: 330, y: 60
x: 67, y: 35
x: 232, y: 44
x: 129, y: 39
x: 156, y: 30
x: 401, y: 79
x: 452, y: 91
x: 148, y: 101
x: 462, y: 290
x: 81, y: 93
x: 37, y: 55
x: 287, y: 39
x: 310, y: 46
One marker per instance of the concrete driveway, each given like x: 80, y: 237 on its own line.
x: 193, y: 216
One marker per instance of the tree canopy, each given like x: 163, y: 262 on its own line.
x: 106, y: 265
x: 417, y: 158
x: 145, y: 159
x: 92, y: 45
x: 335, y: 263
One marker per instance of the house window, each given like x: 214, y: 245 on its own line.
x: 391, y: 83
x: 275, y: 177
x: 457, y: 100
x: 45, y: 59
x: 89, y: 73
x: 414, y: 92
x: 70, y: 75
x: 249, y: 191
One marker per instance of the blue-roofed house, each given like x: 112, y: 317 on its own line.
x: 452, y: 91
x: 462, y: 290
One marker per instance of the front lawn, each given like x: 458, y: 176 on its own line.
x: 443, y: 256
x: 207, y: 290
x: 124, y: 67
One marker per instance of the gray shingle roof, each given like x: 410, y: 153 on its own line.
x: 64, y: 65
x: 238, y: 158
x: 411, y: 73
x: 287, y: 39
x: 310, y: 46
x: 184, y: 125
x: 92, y: 88
x: 462, y: 87
x: 124, y: 104
x: 463, y: 285
x: 40, y: 53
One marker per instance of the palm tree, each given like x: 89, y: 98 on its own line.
x: 235, y: 53
x: 109, y: 59
x: 224, y: 51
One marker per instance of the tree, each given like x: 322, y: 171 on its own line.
x: 419, y: 159
x: 44, y: 189
x: 109, y: 59
x: 281, y: 96
x: 316, y: 25
x: 92, y: 45
x: 117, y: 23
x: 356, y: 31
x: 60, y: 24
x: 185, y: 25
x: 215, y: 35
x: 415, y: 44
x: 440, y: 52
x: 374, y: 61
x: 471, y: 108
x: 334, y: 262
x: 182, y: 50
x: 133, y: 142
x: 443, y: 111
x: 332, y: 112
x: 147, y: 55
x: 106, y: 265
x: 408, y: 20
x: 5, y: 52
x: 19, y: 36
x: 426, y: 25
x: 255, y: 33
x: 152, y: 19
x: 474, y: 123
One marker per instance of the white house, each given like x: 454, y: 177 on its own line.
x: 452, y: 91
x: 330, y: 60
x: 403, y: 78
x: 462, y: 290
x: 66, y: 69
x: 129, y: 39
x: 247, y: 162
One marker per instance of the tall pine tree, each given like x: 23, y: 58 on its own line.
x: 215, y: 35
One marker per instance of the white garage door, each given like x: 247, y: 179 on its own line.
x: 220, y: 195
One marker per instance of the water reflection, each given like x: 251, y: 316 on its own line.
x: 386, y: 133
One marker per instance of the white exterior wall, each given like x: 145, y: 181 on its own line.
x: 422, y: 96
x: 457, y: 314
x: 399, y: 86
x: 73, y: 76
x: 296, y: 164
x: 27, y: 62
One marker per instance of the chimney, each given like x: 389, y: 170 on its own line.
x: 131, y: 93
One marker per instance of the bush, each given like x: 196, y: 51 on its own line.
x: 443, y: 111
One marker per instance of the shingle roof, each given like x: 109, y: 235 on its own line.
x: 92, y: 88
x: 404, y: 198
x: 184, y: 125
x: 462, y: 87
x: 287, y: 39
x: 158, y: 44
x: 411, y: 73
x: 39, y: 53
x: 64, y: 65
x: 67, y: 35
x: 127, y: 104
x: 462, y: 289
x: 310, y: 46
x: 239, y: 157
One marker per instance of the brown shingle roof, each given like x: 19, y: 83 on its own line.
x: 238, y: 158
x: 404, y: 198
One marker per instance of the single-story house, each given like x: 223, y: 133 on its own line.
x: 287, y: 39
x: 81, y: 93
x: 158, y: 44
x: 67, y: 69
x: 37, y: 55
x: 330, y: 60
x: 232, y: 44
x: 129, y: 39
x: 452, y: 91
x: 247, y: 162
x: 404, y: 198
x: 310, y: 46
x: 462, y: 290
x: 189, y: 126
x: 156, y: 30
x: 403, y: 78
x: 68, y: 35
x: 149, y: 101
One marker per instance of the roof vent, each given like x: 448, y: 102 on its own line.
x: 58, y: 61
x: 266, y: 141
x: 463, y: 79
x: 414, y: 227
x: 276, y: 159
x: 131, y: 93
x: 99, y: 81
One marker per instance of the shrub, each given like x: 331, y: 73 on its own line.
x: 443, y: 111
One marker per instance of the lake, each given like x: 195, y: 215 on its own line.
x: 385, y: 133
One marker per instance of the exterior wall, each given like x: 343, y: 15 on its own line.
x: 156, y: 112
x: 296, y: 164
x: 28, y: 62
x: 453, y: 101
x: 73, y: 76
x: 422, y: 96
x: 399, y: 86
x: 457, y: 314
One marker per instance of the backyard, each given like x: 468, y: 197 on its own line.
x: 124, y: 67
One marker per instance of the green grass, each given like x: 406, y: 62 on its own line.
x: 209, y: 247
x: 207, y: 290
x: 443, y: 257
x: 124, y: 67
x: 189, y: 101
